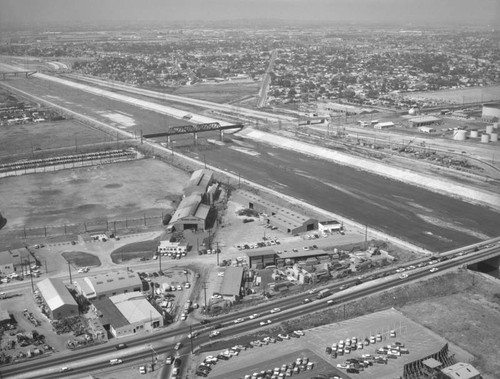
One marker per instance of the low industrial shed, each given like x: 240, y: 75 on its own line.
x: 231, y: 285
x: 59, y: 301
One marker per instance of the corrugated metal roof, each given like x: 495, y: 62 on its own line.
x: 55, y: 293
x: 187, y: 207
x: 113, y: 281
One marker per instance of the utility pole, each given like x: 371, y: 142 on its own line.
x: 69, y: 269
x: 191, y: 337
x: 159, y: 260
x: 31, y: 275
x: 217, y: 251
x: 366, y: 233
x: 205, y: 160
x: 205, y: 291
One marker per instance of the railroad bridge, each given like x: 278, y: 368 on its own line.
x: 194, y: 130
x: 16, y: 73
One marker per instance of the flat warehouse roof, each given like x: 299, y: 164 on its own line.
x: 425, y: 119
x: 232, y: 281
x: 302, y: 253
x: 259, y: 253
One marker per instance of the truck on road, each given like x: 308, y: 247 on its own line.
x: 324, y: 293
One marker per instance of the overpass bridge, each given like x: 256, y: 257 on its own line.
x: 16, y: 73
x: 194, y: 130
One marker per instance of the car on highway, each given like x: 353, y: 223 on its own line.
x: 344, y: 287
x: 330, y: 302
x: 401, y: 269
x: 267, y: 322
x: 169, y: 360
x: 403, y: 276
x: 177, y: 346
x: 64, y: 369
x: 238, y: 320
x: 193, y: 334
x: 213, y: 333
x: 434, y: 269
x: 275, y: 310
x: 255, y: 315
x: 307, y: 300
x: 115, y: 361
x: 411, y: 268
x: 121, y: 346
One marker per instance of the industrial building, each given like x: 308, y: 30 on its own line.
x: 15, y: 261
x: 461, y: 370
x: 280, y: 217
x: 330, y: 226
x: 167, y: 247
x: 426, y: 129
x: 192, y: 211
x: 127, y: 314
x: 267, y: 257
x: 57, y: 298
x: 423, y: 121
x: 190, y: 214
x: 491, y: 112
x: 383, y: 125
x: 109, y: 284
x: 231, y: 285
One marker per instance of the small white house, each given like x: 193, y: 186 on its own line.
x: 426, y: 129
x: 172, y: 248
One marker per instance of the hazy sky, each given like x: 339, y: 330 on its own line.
x: 399, y: 11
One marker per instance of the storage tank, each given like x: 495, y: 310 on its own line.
x: 459, y: 135
x: 495, y: 125
x: 474, y: 134
x: 485, y: 138
x: 489, y: 129
x: 494, y: 137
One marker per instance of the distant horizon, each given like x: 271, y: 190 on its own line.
x: 23, y: 13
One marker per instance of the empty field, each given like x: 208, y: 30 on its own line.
x: 114, y: 191
x: 459, y: 96
x: 220, y: 92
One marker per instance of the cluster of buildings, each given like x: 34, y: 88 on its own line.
x: 193, y: 210
x: 116, y: 299
x: 367, y: 67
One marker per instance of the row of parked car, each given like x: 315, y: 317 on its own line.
x: 301, y: 364
x: 256, y: 245
x: 206, y: 366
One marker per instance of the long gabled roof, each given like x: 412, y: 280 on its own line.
x: 55, y: 293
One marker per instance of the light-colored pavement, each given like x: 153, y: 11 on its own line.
x: 407, y: 176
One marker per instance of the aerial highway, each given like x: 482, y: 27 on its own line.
x: 92, y: 359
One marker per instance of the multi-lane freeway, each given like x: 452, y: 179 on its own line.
x: 93, y: 359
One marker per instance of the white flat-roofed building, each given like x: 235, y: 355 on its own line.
x: 383, y: 125
x: 59, y: 301
x: 423, y: 121
x: 109, y: 284
x: 461, y: 370
x: 127, y: 314
x: 167, y: 247
x: 329, y: 226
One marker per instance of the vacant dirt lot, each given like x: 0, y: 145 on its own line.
x: 459, y: 96
x: 227, y: 92
x: 128, y: 189
x: 469, y: 319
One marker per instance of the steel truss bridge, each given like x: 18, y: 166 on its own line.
x: 16, y: 73
x: 194, y: 130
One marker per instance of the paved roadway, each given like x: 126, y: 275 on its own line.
x: 430, y: 220
x: 92, y: 359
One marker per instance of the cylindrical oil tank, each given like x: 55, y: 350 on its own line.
x: 485, y: 138
x: 494, y: 137
x: 459, y: 135
x: 474, y: 134
x: 489, y: 129
x: 495, y: 125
